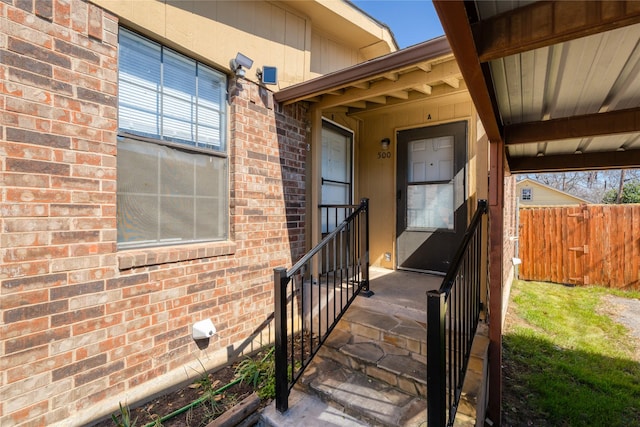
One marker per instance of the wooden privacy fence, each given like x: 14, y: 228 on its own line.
x: 582, y: 245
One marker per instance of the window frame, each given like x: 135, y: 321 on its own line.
x: 193, y: 146
x: 529, y: 196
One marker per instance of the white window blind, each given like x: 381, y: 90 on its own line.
x: 168, y: 96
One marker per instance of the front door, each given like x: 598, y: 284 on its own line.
x: 431, y: 196
x: 337, y: 176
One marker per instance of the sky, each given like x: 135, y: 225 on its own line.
x: 411, y: 21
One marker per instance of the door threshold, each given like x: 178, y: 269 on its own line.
x: 416, y: 270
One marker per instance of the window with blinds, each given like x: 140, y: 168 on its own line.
x: 172, y: 165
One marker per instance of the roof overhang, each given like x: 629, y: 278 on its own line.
x: 344, y: 21
x: 558, y: 82
x: 410, y: 74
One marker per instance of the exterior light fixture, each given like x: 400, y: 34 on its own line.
x: 239, y: 63
x: 384, y: 143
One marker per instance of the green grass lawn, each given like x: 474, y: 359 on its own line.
x: 564, y: 363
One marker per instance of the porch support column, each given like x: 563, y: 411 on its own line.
x: 496, y: 255
x: 313, y: 175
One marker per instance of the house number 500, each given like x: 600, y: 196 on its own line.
x: 384, y: 154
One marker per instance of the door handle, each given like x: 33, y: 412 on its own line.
x: 399, y: 195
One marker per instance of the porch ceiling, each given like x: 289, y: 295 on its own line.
x: 558, y: 82
x: 414, y: 73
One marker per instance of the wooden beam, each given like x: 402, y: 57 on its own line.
x: 357, y: 104
x: 377, y: 99
x: 547, y: 23
x: 337, y: 110
x: 440, y: 90
x: 238, y: 413
x: 399, y: 94
x: 391, y: 76
x: 426, y: 89
x: 385, y: 87
x: 453, y: 82
x: 576, y: 162
x: 611, y: 122
x: 455, y: 22
x: 362, y: 85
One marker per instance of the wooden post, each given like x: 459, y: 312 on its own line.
x: 496, y: 249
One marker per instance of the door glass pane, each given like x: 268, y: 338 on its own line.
x: 336, y: 175
x: 430, y: 191
x: 430, y: 206
x: 431, y: 159
x: 336, y: 157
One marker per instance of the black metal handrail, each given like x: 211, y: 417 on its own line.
x: 324, y: 283
x: 333, y: 215
x: 453, y: 313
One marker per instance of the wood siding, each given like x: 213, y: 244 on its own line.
x: 214, y: 31
x: 542, y: 195
x: 376, y: 168
x: 582, y: 245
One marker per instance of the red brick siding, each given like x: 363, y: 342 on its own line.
x: 81, y: 322
x: 510, y: 231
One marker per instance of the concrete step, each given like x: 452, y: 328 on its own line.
x: 372, y: 371
x: 307, y: 410
x: 373, y: 401
x: 397, y: 367
x: 392, y: 349
x: 394, y: 329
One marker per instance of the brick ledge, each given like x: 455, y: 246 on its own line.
x: 153, y: 256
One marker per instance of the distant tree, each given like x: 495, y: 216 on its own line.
x: 589, y: 185
x: 630, y: 194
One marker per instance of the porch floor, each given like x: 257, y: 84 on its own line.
x: 403, y: 292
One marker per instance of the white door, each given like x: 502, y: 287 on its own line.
x: 337, y: 174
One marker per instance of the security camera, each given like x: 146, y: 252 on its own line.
x: 239, y: 63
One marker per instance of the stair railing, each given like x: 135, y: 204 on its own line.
x: 312, y: 296
x: 453, y: 313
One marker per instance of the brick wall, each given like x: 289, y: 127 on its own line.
x: 83, y: 326
x: 510, y: 232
